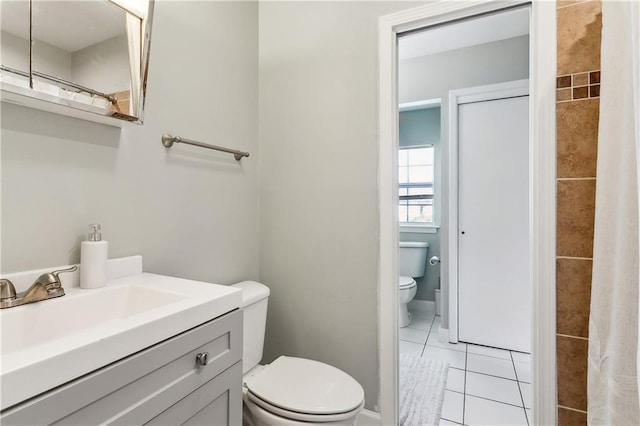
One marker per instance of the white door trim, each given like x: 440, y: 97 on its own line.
x: 543, y: 155
x: 459, y: 97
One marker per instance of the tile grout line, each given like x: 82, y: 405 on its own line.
x: 571, y: 179
x: 572, y: 409
x: 486, y: 399
x: 474, y: 353
x: 447, y: 349
x: 573, y: 4
x: 574, y: 258
x: 577, y: 100
x: 480, y: 355
x: 524, y: 407
x: 498, y: 377
x: 577, y: 72
x: 424, y: 346
x: 571, y: 337
x: 487, y: 356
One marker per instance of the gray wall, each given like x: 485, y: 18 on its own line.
x: 422, y: 127
x: 46, y: 58
x: 319, y: 197
x: 103, y: 66
x: 190, y: 212
x: 433, y: 76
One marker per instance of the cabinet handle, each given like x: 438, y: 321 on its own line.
x: 202, y: 359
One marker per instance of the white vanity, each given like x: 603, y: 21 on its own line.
x: 145, y: 349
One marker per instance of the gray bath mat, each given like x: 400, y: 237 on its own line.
x: 422, y: 384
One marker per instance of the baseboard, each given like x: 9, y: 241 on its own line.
x: 422, y: 305
x: 368, y: 418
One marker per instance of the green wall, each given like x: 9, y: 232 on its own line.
x: 422, y: 127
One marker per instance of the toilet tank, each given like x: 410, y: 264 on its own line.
x: 412, y: 259
x: 254, y: 306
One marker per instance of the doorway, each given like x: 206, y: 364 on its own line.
x: 542, y: 179
x: 483, y: 195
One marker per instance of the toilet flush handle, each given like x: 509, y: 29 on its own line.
x: 434, y: 260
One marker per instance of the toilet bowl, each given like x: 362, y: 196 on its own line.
x: 298, y: 391
x: 412, y: 261
x: 290, y: 391
x: 407, y: 289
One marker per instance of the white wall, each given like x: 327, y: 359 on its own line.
x: 46, y: 58
x: 433, y: 76
x: 190, y: 212
x: 103, y: 66
x: 319, y: 198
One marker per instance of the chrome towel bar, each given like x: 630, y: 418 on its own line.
x: 168, y: 141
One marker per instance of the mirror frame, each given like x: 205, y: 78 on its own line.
x: 31, y: 98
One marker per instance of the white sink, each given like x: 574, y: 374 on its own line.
x: 39, y: 324
x: 49, y: 343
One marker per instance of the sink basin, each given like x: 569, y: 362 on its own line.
x: 26, y: 328
x: 49, y: 343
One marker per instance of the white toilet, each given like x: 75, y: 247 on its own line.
x: 290, y: 391
x: 412, y: 261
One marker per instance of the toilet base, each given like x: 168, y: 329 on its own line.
x: 404, y: 316
x: 405, y: 295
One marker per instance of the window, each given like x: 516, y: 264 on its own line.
x: 416, y: 184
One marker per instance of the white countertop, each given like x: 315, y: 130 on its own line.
x: 48, y: 343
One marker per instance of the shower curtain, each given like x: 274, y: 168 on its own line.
x: 614, y: 322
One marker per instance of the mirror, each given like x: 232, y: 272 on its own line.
x: 91, y: 56
x: 14, y: 39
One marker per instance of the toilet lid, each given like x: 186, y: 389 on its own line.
x: 406, y: 282
x: 306, y: 386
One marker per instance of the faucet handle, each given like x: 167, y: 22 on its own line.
x: 51, y: 280
x: 7, y: 290
x: 72, y: 269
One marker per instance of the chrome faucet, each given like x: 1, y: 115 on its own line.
x: 47, y: 286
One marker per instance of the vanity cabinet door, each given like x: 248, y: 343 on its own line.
x: 138, y: 388
x: 218, y: 402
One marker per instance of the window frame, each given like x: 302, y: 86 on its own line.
x: 420, y: 227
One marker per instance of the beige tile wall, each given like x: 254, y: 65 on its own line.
x: 577, y: 109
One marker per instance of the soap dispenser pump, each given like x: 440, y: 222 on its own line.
x: 93, y: 259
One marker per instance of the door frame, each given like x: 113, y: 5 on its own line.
x: 543, y: 156
x: 458, y: 97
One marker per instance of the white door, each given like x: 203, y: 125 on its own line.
x: 494, y: 287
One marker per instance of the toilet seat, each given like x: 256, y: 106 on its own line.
x: 406, y: 282
x: 303, y: 417
x: 305, y: 390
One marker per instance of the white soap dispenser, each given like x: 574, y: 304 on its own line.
x: 93, y: 259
